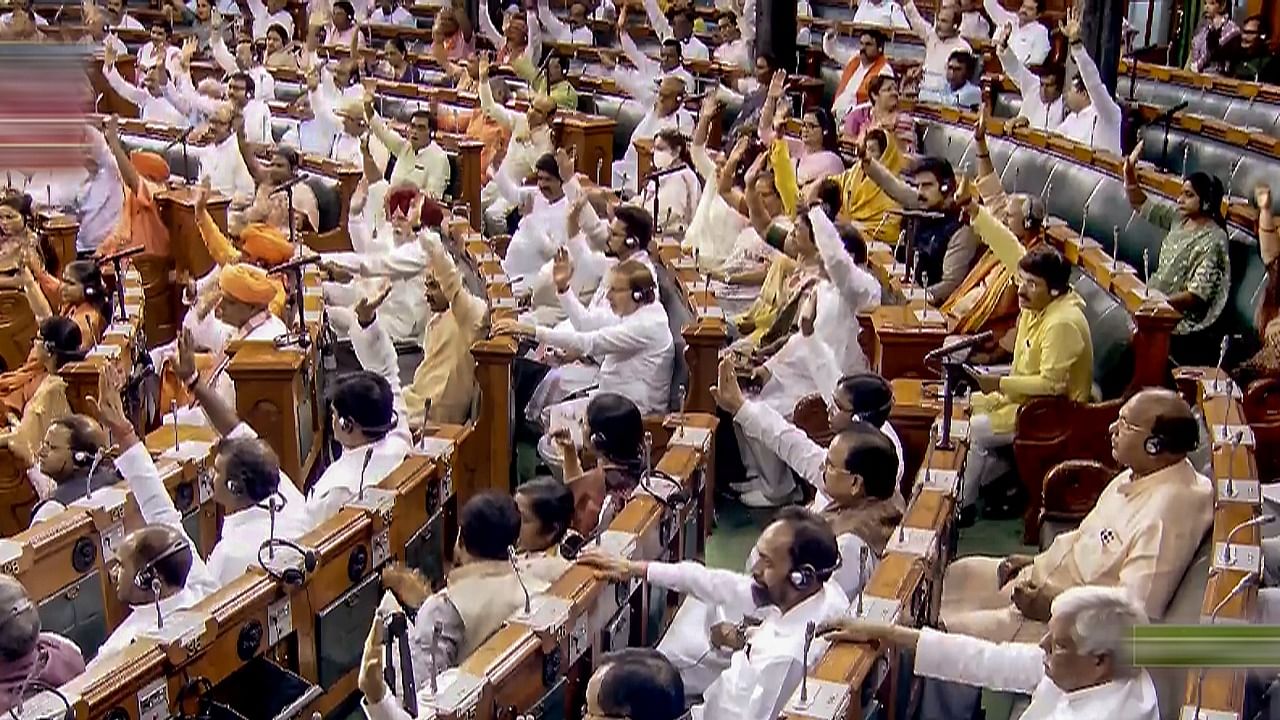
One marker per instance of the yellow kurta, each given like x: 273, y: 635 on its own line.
x: 446, y: 378
x: 1053, y: 353
x: 48, y: 404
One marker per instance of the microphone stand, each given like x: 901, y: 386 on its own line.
x: 950, y: 378
x: 118, y: 270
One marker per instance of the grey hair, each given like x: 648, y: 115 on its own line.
x: 19, y: 620
x: 1099, y: 619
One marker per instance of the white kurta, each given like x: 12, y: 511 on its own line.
x: 366, y: 465
x: 225, y: 168
x: 885, y: 14
x: 1041, y: 116
x: 1019, y: 668
x: 1097, y: 126
x: 1029, y: 42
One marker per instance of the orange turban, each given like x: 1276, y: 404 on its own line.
x: 248, y: 284
x: 266, y: 243
x: 150, y: 165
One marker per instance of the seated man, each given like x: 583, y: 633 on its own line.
x: 1140, y: 536
x: 958, y: 90
x: 1079, y: 670
x: 667, y: 113
x: 945, y: 246
x: 787, y: 588
x: 444, y: 384
x: 1094, y: 117
x: 158, y: 563
x: 242, y: 313
x: 61, y: 473
x: 541, y: 230
x: 1042, y: 103
x: 1052, y: 353
x: 370, y: 420
x: 28, y: 655
x: 480, y: 592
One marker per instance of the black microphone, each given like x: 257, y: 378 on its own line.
x: 964, y: 344
x: 1167, y: 115
x: 905, y: 212
x: 130, y: 252
x: 515, y: 568
x: 659, y: 174
x: 294, y: 264
x: 287, y: 184
x: 182, y: 138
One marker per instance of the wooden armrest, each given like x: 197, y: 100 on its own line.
x: 1072, y: 487
x: 810, y: 415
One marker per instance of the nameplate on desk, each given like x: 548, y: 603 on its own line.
x: 187, y: 450
x: 1150, y: 295
x: 947, y: 481
x: 1242, y: 557
x: 959, y: 429
x: 376, y: 500
x: 1121, y: 268
x: 879, y: 247
x: 311, y: 315
x: 435, y: 447
x: 108, y: 500
x: 823, y: 700
x: 666, y: 241
x: 898, y: 269
x: 1220, y: 388
x: 914, y: 293
x: 711, y: 311
x: 929, y: 316
x: 876, y: 609
x: 504, y: 302
x: 1227, y: 434
x: 499, y: 279
x: 461, y: 696
x: 133, y: 309
x: 1191, y: 712
x: 693, y: 437
x: 913, y: 541
x: 547, y: 614
x: 111, y: 352
x: 10, y: 557
x: 121, y: 329
x: 684, y: 263
x: 1239, y: 490
x: 486, y: 256
x: 618, y: 543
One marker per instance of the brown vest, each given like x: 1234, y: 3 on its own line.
x: 486, y: 593
x: 874, y: 521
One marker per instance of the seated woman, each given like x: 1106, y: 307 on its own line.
x: 716, y: 222
x: 635, y: 354
x: 882, y: 112
x: 18, y: 238
x: 814, y: 155
x: 1266, y: 362
x: 612, y: 431
x: 866, y: 204
x: 79, y: 294
x: 34, y: 396
x: 677, y: 191
x: 546, y: 514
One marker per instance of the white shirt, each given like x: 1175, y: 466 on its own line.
x: 366, y: 465
x: 737, y: 53
x: 262, y: 20
x: 1041, y: 116
x: 761, y: 677
x: 157, y: 508
x: 225, y: 167
x: 937, y: 50
x: 886, y: 14
x: 973, y: 26
x: 100, y: 199
x: 7, y: 18
x: 849, y: 291
x: 404, y: 311
x: 1019, y: 668
x: 1030, y: 42
x: 690, y: 48
x: 399, y: 16
x: 635, y: 355
x: 427, y: 169
x: 264, y: 84
x: 1098, y: 125
x: 128, y: 22
x: 597, y: 313
x: 560, y: 31
x: 148, y: 56
x: 155, y: 109
x: 257, y: 123
x: 312, y: 137
x: 540, y: 233
x: 244, y: 532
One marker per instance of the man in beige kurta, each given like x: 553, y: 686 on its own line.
x: 1141, y: 535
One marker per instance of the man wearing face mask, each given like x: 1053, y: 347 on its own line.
x: 1079, y: 670
x: 787, y: 588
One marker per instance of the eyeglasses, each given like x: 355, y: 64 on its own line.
x: 1122, y: 422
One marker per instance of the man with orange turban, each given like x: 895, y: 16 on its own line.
x: 242, y: 312
x: 260, y: 244
x: 143, y: 175
x: 387, y: 250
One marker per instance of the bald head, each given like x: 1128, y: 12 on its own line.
x: 1154, y: 430
x: 670, y: 94
x: 155, y: 546
x: 19, y: 620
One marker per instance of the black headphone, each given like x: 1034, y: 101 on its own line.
x: 82, y: 458
x: 806, y: 576
x: 290, y: 576
x: 147, y: 578
x: 349, y: 425
x: 865, y: 415
x: 1035, y: 215
x: 630, y: 241
x: 1162, y: 442
x: 235, y: 487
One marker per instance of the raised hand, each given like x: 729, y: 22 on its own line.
x: 370, y: 680
x: 565, y: 164
x: 366, y: 308
x: 562, y: 270
x: 727, y: 392
x: 185, y: 363
x: 1002, y: 36
x: 1131, y: 161
x: 1071, y: 25
x: 1262, y: 196
x: 484, y: 67
x: 778, y: 84
x: 980, y: 126
x: 202, y: 192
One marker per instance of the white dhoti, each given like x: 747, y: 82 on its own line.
x: 687, y: 644
x: 974, y: 604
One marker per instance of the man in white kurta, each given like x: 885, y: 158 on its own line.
x: 1140, y: 536
x: 667, y: 113
x: 1078, y: 671
x: 940, y: 40
x: 1029, y: 39
x: 1094, y: 116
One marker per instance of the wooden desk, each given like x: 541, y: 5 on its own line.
x: 902, y: 340
x: 916, y: 408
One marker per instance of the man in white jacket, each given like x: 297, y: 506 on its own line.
x: 1079, y: 671
x: 788, y: 588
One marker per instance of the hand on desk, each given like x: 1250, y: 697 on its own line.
x: 610, y: 567
x: 868, y: 632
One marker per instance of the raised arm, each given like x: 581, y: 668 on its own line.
x: 501, y: 115
x: 918, y: 24
x: 558, y: 29
x: 757, y: 213
x: 999, y: 16
x: 1028, y: 84
x: 1137, y: 197
x: 895, y: 187
x: 659, y: 21
x: 831, y: 47
x: 221, y: 53
x: 468, y: 309
x: 131, y: 93
x: 128, y: 175
x: 390, y: 139
x: 1103, y: 103
x: 488, y: 29
x: 256, y: 171
x: 857, y: 287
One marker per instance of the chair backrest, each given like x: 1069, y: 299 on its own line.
x: 678, y: 316
x: 1111, y: 330
x: 328, y: 199
x: 1237, y: 111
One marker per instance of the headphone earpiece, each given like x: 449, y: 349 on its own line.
x: 638, y: 295
x: 147, y: 578
x: 630, y: 241
x: 234, y: 487
x: 1153, y: 445
x: 599, y: 440
x: 81, y: 457
x: 802, y: 577
x: 346, y: 424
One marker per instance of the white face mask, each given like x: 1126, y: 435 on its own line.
x: 663, y: 159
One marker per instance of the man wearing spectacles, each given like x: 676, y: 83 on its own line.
x: 60, y: 470
x: 1078, y: 670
